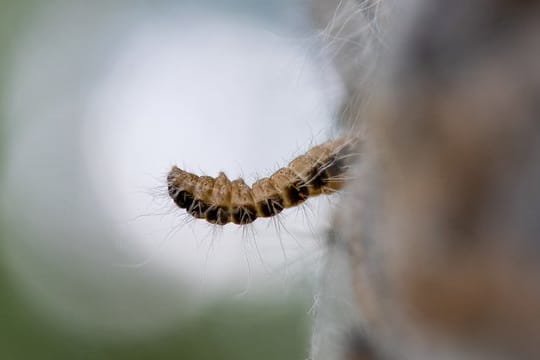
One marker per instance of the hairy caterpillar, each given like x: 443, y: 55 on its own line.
x: 220, y: 201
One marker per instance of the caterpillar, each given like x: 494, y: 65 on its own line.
x: 321, y: 170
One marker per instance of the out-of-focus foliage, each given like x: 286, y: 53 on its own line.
x: 225, y: 331
x: 11, y: 22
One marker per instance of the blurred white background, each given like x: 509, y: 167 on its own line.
x: 101, y: 100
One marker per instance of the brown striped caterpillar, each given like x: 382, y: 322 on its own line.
x: 220, y: 201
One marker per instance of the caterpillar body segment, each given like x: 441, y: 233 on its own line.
x: 220, y: 201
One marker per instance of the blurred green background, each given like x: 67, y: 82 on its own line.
x: 60, y: 298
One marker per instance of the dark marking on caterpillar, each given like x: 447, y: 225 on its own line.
x: 321, y: 170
